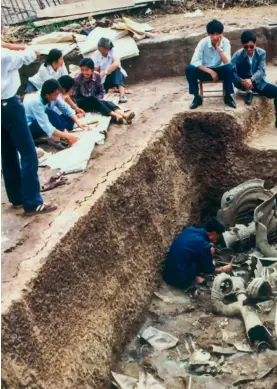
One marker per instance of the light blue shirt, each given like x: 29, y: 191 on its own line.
x: 206, y: 55
x: 35, y: 110
x: 11, y: 61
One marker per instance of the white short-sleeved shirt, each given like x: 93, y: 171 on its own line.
x: 206, y: 55
x: 46, y: 73
x: 103, y: 63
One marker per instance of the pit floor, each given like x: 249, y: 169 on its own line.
x: 190, y: 320
x: 26, y: 241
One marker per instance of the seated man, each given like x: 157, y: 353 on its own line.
x: 210, y: 62
x: 191, y: 254
x: 250, y: 70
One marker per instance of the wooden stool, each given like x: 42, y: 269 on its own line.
x: 201, y: 83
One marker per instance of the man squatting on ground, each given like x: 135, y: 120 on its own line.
x: 211, y: 62
x: 191, y: 254
x: 250, y: 71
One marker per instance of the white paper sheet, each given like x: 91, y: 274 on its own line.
x: 92, y: 40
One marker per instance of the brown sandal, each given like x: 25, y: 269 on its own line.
x: 130, y: 117
x: 119, y: 120
x: 41, y: 209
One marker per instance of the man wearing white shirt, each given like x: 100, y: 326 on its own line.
x: 21, y: 178
x: 211, y: 62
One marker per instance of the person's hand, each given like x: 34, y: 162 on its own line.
x: 247, y: 84
x: 80, y: 112
x: 214, y: 75
x: 198, y: 280
x: 71, y: 139
x: 227, y: 268
x: 37, y: 53
x: 82, y: 126
x: 103, y: 74
x: 218, y: 43
x: 213, y: 250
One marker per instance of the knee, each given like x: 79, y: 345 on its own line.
x: 190, y: 69
x: 229, y: 68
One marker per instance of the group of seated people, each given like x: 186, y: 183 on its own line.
x: 246, y: 69
x: 54, y: 101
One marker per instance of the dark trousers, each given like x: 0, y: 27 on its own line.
x: 225, y: 74
x: 60, y: 122
x: 269, y: 91
x: 29, y: 88
x: 21, y: 182
x: 114, y: 79
x: 92, y: 104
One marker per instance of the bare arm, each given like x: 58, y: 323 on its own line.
x: 13, y: 46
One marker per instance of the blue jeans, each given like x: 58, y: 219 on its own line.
x: 21, y: 182
x: 60, y: 122
x: 225, y: 74
x: 114, y: 79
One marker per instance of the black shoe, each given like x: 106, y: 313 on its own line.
x: 276, y: 123
x: 249, y: 98
x: 228, y: 99
x: 196, y: 102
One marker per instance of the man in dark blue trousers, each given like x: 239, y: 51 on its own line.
x: 191, y: 254
x: 20, y: 176
x: 250, y: 70
x: 211, y: 62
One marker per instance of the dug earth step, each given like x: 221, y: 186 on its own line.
x: 79, y: 281
x: 166, y: 55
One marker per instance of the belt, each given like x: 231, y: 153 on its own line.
x: 5, y: 102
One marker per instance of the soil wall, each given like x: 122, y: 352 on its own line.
x: 72, y: 321
x: 167, y: 55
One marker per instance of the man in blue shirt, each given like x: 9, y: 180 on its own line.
x: 250, y: 70
x: 211, y: 62
x: 191, y: 254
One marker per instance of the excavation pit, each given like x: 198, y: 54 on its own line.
x: 77, y: 298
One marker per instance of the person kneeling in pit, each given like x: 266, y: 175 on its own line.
x: 191, y: 254
x: 250, y: 71
x: 43, y: 120
x: 210, y: 62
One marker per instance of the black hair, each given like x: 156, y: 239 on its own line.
x: 248, y: 36
x: 66, y: 82
x: 214, y: 26
x: 105, y: 43
x: 49, y: 87
x: 214, y: 226
x: 53, y: 56
x: 88, y: 62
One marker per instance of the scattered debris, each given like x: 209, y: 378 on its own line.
x: 145, y: 381
x: 224, y: 350
x: 195, y: 14
x: 158, y: 339
x: 123, y: 381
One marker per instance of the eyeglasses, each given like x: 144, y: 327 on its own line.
x: 249, y: 47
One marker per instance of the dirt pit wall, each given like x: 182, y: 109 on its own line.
x: 166, y: 55
x: 72, y: 321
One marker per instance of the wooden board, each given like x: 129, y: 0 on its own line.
x: 93, y: 38
x: 47, y: 22
x: 125, y: 47
x: 83, y: 7
x: 64, y: 47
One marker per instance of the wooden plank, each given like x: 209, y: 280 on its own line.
x: 83, y: 7
x: 47, y: 22
x: 93, y: 38
x: 125, y: 47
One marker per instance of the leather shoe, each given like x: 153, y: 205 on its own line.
x: 196, y: 102
x: 228, y: 99
x: 248, y: 98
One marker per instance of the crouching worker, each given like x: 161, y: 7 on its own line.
x: 210, y: 62
x: 43, y: 120
x: 192, y: 254
x: 107, y: 63
x: 250, y: 70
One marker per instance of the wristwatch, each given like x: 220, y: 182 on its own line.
x: 220, y: 50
